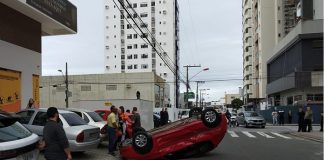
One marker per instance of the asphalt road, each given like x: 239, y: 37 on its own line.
x: 241, y: 143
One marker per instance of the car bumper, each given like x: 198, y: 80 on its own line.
x: 255, y: 124
x: 81, y: 147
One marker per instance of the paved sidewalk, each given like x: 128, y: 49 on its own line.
x: 292, y: 129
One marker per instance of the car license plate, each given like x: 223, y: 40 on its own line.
x: 28, y: 156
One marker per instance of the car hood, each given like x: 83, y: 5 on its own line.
x: 254, y: 118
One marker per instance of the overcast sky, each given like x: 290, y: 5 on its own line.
x: 210, y: 35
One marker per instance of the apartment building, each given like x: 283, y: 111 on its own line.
x: 295, y: 69
x: 128, y: 49
x: 258, y: 42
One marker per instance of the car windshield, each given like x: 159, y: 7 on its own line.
x: 251, y: 114
x: 95, y: 116
x: 13, y: 132
x: 73, y: 119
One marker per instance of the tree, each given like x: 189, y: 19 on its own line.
x: 237, y: 103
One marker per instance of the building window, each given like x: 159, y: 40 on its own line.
x: 143, y: 5
x: 152, y: 4
x: 144, y: 46
x: 85, y: 88
x: 144, y: 56
x: 135, y: 5
x: 107, y: 47
x: 115, y: 66
x: 114, y: 26
x: 144, y: 35
x: 135, y: 36
x: 144, y: 66
x: 115, y: 57
x: 135, y: 56
x: 130, y: 56
x: 111, y: 87
x: 144, y: 15
x: 107, y: 67
x: 114, y: 36
x: 129, y: 26
x: 107, y: 7
x: 122, y: 66
x: 129, y: 36
x: 135, y: 66
x: 144, y: 25
x: 129, y: 47
x: 135, y: 46
x: 135, y: 15
x: 122, y: 56
x: 130, y: 67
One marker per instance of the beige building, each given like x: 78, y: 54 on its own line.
x: 258, y: 42
x: 230, y: 97
x: 101, y: 87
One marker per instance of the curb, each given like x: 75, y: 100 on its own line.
x: 307, y: 137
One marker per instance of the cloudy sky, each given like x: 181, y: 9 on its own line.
x: 210, y: 35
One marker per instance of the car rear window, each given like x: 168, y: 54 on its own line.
x: 73, y: 119
x: 95, y: 116
x: 13, y: 132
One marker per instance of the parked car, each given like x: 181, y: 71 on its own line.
x: 16, y: 142
x: 81, y: 136
x: 198, y: 134
x: 250, y: 119
x: 93, y: 119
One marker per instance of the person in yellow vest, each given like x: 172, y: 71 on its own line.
x: 308, y: 119
x: 112, y: 126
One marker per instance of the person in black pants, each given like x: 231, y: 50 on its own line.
x: 301, y: 115
x: 308, y: 119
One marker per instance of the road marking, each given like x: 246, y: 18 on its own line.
x: 265, y: 135
x: 279, y: 135
x: 232, y: 133
x: 248, y: 134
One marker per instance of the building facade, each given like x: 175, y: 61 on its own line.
x: 258, y: 42
x: 132, y: 27
x: 295, y: 70
x: 230, y: 97
x: 22, y: 25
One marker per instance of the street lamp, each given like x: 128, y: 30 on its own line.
x: 205, y: 69
x: 66, y: 85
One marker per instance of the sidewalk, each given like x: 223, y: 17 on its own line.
x: 292, y: 129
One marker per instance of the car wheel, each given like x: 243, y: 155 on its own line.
x: 195, y: 111
x: 210, y: 118
x: 142, y: 142
x: 138, y: 129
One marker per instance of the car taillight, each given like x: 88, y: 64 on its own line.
x: 80, y: 137
x: 8, y: 154
x: 104, y: 130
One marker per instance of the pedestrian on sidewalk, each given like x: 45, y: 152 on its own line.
x: 289, y: 117
x: 321, y: 121
x: 308, y: 119
x: 274, y: 117
x: 112, y: 126
x: 281, y: 117
x: 301, y: 115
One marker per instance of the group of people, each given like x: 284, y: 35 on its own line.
x: 164, y: 117
x: 305, y: 120
x: 116, y: 122
x: 278, y: 118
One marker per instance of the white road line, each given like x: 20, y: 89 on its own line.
x: 232, y: 133
x: 248, y: 134
x: 265, y: 135
x: 279, y: 135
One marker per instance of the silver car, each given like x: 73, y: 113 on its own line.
x: 250, y: 119
x: 16, y: 142
x: 94, y: 119
x: 81, y: 136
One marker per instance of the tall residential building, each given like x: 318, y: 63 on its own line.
x: 258, y: 42
x: 295, y: 69
x: 127, y: 52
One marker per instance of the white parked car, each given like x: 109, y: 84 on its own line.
x: 16, y: 142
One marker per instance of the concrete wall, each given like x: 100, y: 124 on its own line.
x: 26, y: 61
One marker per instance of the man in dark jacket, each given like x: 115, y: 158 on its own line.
x: 56, y: 142
x: 301, y: 115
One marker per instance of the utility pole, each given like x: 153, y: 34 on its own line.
x: 67, y: 86
x: 187, y: 83
x: 197, y: 91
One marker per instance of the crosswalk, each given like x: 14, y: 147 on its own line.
x: 270, y: 135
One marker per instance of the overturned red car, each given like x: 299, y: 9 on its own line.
x: 196, y: 135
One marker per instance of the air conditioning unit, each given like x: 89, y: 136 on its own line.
x: 128, y: 85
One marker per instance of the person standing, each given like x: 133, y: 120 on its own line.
x: 274, y: 117
x: 228, y: 116
x: 321, y: 121
x: 162, y: 117
x: 289, y: 117
x: 31, y: 103
x: 301, y: 115
x: 136, y: 118
x: 123, y: 120
x: 166, y: 116
x: 281, y: 117
x: 56, y: 143
x: 112, y: 126
x: 308, y: 119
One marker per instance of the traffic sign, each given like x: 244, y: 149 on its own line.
x: 190, y: 95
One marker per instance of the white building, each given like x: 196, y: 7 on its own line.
x: 125, y: 49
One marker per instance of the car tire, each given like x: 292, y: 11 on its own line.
x: 195, y: 111
x: 210, y: 118
x: 138, y: 129
x: 142, y: 142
